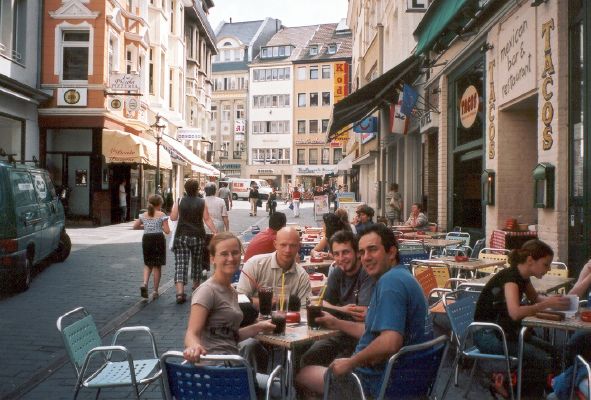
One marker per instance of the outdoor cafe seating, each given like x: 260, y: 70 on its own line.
x: 410, y: 374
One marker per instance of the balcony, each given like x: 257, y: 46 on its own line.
x: 237, y: 155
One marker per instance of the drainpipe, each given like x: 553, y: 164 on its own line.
x: 381, y: 129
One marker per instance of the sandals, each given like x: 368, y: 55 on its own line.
x: 155, y: 295
x: 144, y: 292
x: 499, y: 386
x: 181, y: 298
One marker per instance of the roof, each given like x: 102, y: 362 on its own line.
x: 327, y: 34
x: 244, y: 31
x: 229, y: 66
x: 297, y: 36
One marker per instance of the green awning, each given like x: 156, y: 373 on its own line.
x: 439, y: 22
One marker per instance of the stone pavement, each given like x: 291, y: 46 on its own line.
x: 102, y: 275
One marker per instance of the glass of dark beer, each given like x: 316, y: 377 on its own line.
x: 278, y: 319
x: 265, y: 301
x: 313, y: 310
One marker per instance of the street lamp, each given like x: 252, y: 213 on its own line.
x: 158, y: 127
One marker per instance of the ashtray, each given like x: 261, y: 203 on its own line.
x: 316, y: 259
x: 292, y: 317
x: 316, y: 276
x: 585, y: 315
x: 461, y: 258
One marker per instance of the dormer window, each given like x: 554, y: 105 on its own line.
x: 332, y: 48
x: 313, y: 50
x: 275, y: 51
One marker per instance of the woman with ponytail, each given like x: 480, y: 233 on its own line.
x: 155, y: 224
x: 502, y: 302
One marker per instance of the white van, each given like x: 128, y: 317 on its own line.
x: 240, y: 187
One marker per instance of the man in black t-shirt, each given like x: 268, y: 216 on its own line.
x: 348, y: 293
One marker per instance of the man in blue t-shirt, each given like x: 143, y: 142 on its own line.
x: 397, y: 316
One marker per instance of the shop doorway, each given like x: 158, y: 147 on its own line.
x: 118, y: 174
x: 466, y: 147
x: 579, y: 207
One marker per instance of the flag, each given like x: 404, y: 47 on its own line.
x: 367, y: 125
x: 399, y: 122
x: 409, y: 99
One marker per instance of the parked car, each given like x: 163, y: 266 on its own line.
x: 33, y: 223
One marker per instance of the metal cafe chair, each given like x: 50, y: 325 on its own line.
x: 410, y: 374
x: 582, y: 387
x: 461, y: 317
x: 489, y: 253
x: 82, y: 341
x: 459, y: 248
x: 233, y: 381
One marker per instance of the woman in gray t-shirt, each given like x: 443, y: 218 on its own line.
x: 214, y: 323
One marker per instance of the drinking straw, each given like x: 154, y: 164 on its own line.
x: 257, y: 286
x: 321, y: 295
x: 282, y: 295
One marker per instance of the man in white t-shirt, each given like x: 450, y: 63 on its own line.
x: 123, y: 200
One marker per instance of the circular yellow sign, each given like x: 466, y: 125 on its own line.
x: 71, y: 96
x: 115, y: 104
x: 469, y: 104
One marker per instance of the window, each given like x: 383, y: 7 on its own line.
x: 301, y: 73
x: 326, y: 98
x: 337, y: 155
x: 313, y: 72
x: 301, y: 99
x: 151, y: 71
x: 239, y: 111
x: 75, y: 54
x: 226, y: 112
x: 172, y: 19
x: 171, y: 89
x: 301, y: 156
x: 313, y: 50
x: 22, y: 188
x: 313, y: 160
x: 324, y: 125
x: 326, y: 72
x: 214, y: 113
x: 269, y: 74
x: 313, y: 99
x: 332, y: 49
x: 301, y: 126
x: 325, y: 159
x: 128, y: 62
x: 162, y: 72
x: 313, y: 126
x: 13, y: 34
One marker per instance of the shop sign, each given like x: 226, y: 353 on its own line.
x: 315, y: 170
x: 429, y: 120
x: 547, y: 112
x: 126, y: 82
x: 469, y: 104
x: 239, y: 126
x: 516, y: 61
x: 131, y: 104
x: 341, y: 81
x: 310, y: 141
x: 72, y: 97
x: 367, y: 137
x: 188, y: 134
x: 416, y: 5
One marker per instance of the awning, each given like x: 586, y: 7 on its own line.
x: 367, y: 99
x: 367, y: 158
x: 197, y: 164
x: 442, y: 22
x: 127, y: 148
x: 346, y: 163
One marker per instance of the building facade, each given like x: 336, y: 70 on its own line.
x: 239, y: 43
x: 270, y: 143
x: 117, y: 75
x: 19, y: 79
x: 321, y: 79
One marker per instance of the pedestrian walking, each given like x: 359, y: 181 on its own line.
x: 394, y: 201
x: 272, y: 202
x: 296, y: 197
x: 123, y: 201
x: 253, y: 197
x: 189, y: 239
x: 154, y: 222
x: 219, y: 215
x: 225, y: 194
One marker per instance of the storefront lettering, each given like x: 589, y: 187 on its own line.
x: 491, y: 111
x: 469, y: 104
x: 118, y: 152
x: 547, y: 108
x: 517, y: 58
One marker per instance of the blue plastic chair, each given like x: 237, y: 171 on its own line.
x: 411, y: 373
x: 83, y: 343
x: 185, y: 381
x: 461, y: 317
x: 463, y: 248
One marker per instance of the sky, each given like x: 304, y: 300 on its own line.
x: 290, y: 12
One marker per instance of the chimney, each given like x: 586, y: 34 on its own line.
x: 230, y: 19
